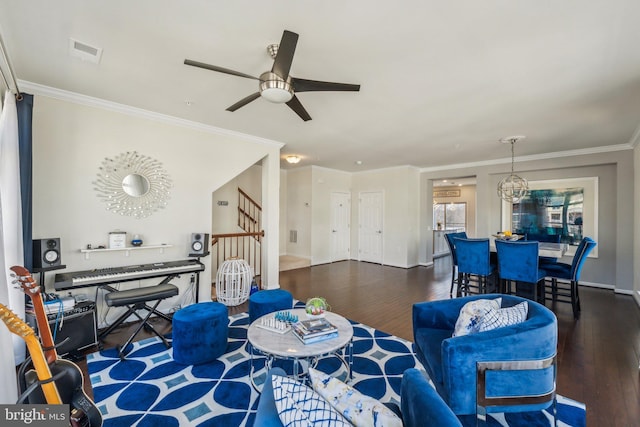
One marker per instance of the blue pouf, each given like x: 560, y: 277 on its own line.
x: 200, y: 333
x: 268, y: 301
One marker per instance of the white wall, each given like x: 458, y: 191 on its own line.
x: 413, y: 217
x: 71, y: 140
x: 284, y: 214
x: 323, y: 182
x: 636, y: 224
x: 400, y: 187
x: 299, y: 211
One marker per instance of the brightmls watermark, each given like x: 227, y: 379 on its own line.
x: 34, y: 415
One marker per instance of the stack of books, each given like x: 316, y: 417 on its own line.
x: 316, y: 330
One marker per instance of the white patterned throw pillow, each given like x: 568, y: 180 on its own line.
x: 497, y: 318
x: 359, y: 409
x: 472, y: 313
x: 300, y: 406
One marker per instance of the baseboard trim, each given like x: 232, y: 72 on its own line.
x: 597, y: 285
x: 419, y: 264
x: 609, y: 287
x: 297, y: 256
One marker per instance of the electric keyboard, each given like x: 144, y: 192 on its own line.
x: 105, y: 276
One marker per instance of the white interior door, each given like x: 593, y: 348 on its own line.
x: 340, y: 226
x: 371, y: 220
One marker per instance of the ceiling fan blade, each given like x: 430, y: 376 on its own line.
x: 304, y: 85
x: 218, y: 69
x: 296, y: 106
x: 284, y: 58
x: 244, y: 101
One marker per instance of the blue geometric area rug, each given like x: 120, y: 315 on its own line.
x: 148, y: 389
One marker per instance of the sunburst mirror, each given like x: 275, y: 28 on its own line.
x: 132, y: 184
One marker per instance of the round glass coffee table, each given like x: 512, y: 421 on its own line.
x: 286, y: 346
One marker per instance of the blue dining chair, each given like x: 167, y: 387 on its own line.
x: 551, y: 238
x: 454, y: 258
x: 518, y: 262
x: 569, y: 274
x: 474, y: 266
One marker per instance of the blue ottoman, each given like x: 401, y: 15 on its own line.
x: 200, y: 333
x: 268, y: 301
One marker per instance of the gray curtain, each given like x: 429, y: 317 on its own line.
x: 25, y: 115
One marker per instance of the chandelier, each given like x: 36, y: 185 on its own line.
x: 512, y: 188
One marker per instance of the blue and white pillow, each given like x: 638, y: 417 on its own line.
x: 471, y: 315
x: 361, y: 410
x: 300, y: 406
x: 497, y: 318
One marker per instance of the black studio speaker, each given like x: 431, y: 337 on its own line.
x: 46, y: 253
x: 199, y: 245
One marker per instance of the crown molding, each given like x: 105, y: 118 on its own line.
x: 76, y: 98
x: 326, y: 169
x: 388, y: 169
x: 635, y: 138
x: 533, y: 157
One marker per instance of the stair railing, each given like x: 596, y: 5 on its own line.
x: 249, y: 213
x: 246, y: 246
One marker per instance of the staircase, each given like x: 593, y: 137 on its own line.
x: 249, y: 213
x: 247, y: 244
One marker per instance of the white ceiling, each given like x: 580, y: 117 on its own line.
x: 441, y: 81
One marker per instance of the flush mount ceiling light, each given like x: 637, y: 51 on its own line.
x: 293, y: 159
x: 512, y: 188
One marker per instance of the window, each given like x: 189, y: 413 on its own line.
x: 450, y: 215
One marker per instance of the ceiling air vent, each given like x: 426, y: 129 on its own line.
x: 84, y: 51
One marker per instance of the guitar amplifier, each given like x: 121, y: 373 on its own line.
x: 79, y: 324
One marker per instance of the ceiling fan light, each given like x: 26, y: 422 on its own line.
x: 275, y: 89
x: 278, y: 96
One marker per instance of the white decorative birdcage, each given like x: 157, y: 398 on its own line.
x: 233, y: 281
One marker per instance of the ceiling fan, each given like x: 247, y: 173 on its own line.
x: 278, y: 85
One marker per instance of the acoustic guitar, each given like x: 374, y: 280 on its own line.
x: 71, y: 383
x: 24, y: 331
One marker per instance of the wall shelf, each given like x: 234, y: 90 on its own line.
x: 126, y: 250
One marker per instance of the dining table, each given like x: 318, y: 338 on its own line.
x: 552, y: 250
x: 545, y: 249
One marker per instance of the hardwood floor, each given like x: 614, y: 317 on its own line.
x: 598, y: 355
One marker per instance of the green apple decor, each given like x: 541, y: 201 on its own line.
x: 316, y: 307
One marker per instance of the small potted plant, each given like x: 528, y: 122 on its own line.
x: 316, y: 307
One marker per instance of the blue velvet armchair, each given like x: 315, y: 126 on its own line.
x: 453, y: 362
